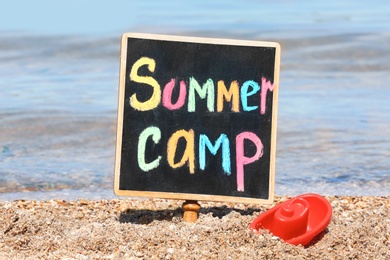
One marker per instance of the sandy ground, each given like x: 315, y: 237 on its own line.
x: 154, y: 229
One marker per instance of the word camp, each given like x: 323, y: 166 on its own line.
x: 215, y: 96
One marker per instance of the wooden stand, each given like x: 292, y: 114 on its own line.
x: 191, y: 211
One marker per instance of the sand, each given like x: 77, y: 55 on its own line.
x: 154, y: 229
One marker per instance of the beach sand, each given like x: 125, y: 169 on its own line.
x: 154, y: 229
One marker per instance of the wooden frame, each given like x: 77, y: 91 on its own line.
x: 121, y: 105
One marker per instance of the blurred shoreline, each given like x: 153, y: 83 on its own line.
x: 59, y: 88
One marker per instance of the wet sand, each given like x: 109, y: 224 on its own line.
x: 154, y: 229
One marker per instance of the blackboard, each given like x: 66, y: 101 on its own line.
x: 197, y: 118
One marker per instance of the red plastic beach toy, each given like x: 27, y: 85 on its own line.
x: 298, y: 220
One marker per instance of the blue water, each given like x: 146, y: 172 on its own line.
x: 59, y: 66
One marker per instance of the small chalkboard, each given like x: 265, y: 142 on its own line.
x: 197, y: 118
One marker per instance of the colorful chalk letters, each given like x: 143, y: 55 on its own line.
x: 205, y: 92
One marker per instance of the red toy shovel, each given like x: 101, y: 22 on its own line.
x: 298, y: 220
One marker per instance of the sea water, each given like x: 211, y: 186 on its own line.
x: 59, y: 75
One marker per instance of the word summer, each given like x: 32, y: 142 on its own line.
x: 235, y: 94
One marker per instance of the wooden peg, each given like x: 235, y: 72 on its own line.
x: 191, y: 211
